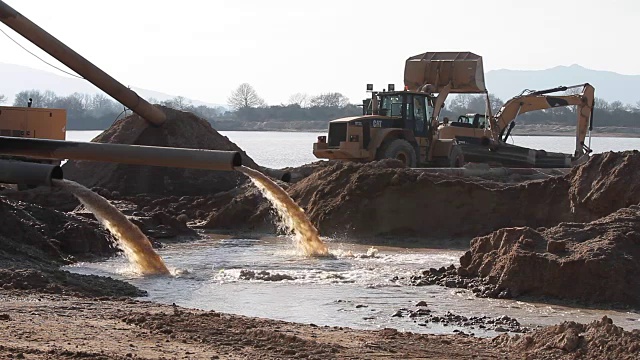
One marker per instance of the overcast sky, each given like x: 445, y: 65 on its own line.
x: 204, y: 49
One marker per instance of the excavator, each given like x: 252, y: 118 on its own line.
x: 405, y: 125
x: 471, y: 130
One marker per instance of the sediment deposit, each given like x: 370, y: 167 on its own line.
x: 571, y: 238
x: 182, y: 129
x: 595, y: 263
x: 35, y: 242
x: 385, y: 199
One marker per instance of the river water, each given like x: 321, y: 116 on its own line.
x: 354, y: 291
x: 277, y: 149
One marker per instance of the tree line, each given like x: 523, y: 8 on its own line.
x: 98, y: 112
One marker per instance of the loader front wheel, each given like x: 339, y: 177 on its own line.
x: 401, y: 150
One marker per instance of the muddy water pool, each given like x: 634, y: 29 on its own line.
x: 352, y: 289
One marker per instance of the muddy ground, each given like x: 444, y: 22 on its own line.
x: 60, y: 327
x: 569, y: 238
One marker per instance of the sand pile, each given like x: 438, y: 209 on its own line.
x: 570, y: 340
x: 596, y: 262
x: 606, y: 183
x: 382, y: 198
x: 182, y: 129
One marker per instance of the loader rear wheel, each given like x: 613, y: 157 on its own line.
x: 456, y: 157
x: 400, y: 149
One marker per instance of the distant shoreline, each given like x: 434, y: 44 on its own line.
x: 520, y: 130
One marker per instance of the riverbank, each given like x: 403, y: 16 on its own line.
x: 322, y: 126
x: 48, y: 313
x: 41, y: 326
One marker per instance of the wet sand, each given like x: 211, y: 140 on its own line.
x: 60, y: 327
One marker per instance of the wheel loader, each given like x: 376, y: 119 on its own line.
x: 403, y: 124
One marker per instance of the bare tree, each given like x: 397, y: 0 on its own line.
x: 3, y: 99
x: 495, y: 103
x: 300, y: 99
x: 617, y: 106
x: 600, y: 103
x: 460, y: 103
x: 245, y: 96
x: 334, y: 99
x: 38, y: 99
x: 178, y: 103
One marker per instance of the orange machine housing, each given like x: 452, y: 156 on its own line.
x: 33, y: 122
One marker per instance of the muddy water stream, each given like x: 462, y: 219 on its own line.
x: 354, y: 291
x: 128, y: 236
x: 292, y: 217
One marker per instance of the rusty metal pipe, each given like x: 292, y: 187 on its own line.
x: 121, y: 153
x: 28, y: 173
x: 282, y: 175
x: 79, y: 64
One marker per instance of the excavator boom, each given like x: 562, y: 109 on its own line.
x: 538, y: 100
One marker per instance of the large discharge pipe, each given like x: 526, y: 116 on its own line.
x: 79, y: 64
x: 22, y: 172
x: 121, y: 153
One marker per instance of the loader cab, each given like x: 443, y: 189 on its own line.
x: 409, y: 110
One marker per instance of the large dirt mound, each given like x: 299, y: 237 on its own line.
x: 570, y: 340
x: 597, y: 262
x: 382, y: 198
x: 606, y: 183
x: 182, y: 129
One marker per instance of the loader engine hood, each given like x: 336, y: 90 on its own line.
x: 355, y: 119
x: 432, y: 71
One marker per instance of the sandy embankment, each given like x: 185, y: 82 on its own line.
x: 376, y: 201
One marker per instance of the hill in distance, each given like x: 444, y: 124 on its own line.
x: 503, y: 83
x: 609, y: 85
x: 16, y: 78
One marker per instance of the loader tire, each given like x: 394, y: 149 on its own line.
x: 456, y: 157
x: 400, y: 149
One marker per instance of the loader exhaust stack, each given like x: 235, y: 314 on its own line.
x: 28, y: 173
x: 79, y: 64
x: 121, y: 153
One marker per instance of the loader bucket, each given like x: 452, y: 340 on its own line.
x: 463, y: 70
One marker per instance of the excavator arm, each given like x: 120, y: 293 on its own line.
x: 539, y: 100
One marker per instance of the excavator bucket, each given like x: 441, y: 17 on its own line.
x: 432, y: 71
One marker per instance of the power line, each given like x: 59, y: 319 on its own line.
x: 39, y: 58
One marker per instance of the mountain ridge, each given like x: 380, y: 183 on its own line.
x: 504, y: 83
x: 610, y: 86
x: 15, y: 78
